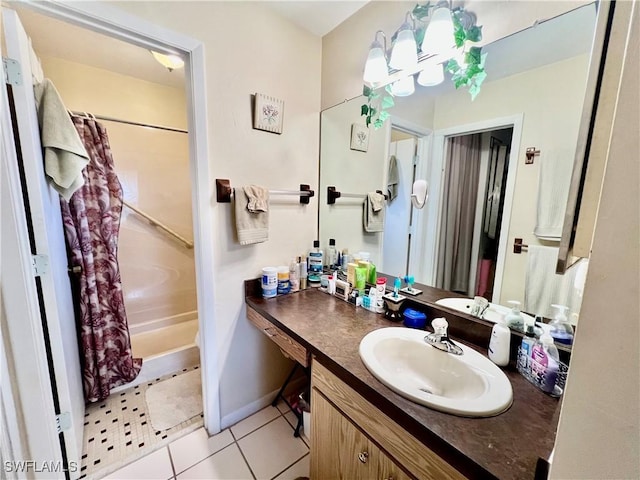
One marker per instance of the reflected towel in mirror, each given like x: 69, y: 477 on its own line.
x: 373, y: 214
x: 553, y: 189
x: 393, y: 178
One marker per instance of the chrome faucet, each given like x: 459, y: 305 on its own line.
x: 479, y: 306
x: 440, y: 339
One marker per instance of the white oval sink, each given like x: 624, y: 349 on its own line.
x: 492, y: 314
x: 468, y: 385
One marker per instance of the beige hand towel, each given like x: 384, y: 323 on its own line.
x: 553, y: 188
x: 64, y: 154
x: 252, y: 226
x: 393, y: 178
x: 373, y: 215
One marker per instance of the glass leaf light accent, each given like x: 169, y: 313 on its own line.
x: 439, y: 36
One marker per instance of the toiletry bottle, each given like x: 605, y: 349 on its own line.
x: 283, y: 280
x: 544, y: 363
x: 351, y: 274
x: 526, y: 348
x: 513, y: 319
x: 361, y: 279
x: 294, y: 275
x: 500, y: 343
x: 372, y: 275
x: 303, y: 272
x: 315, y: 262
x: 561, y: 329
x: 331, y: 253
x: 345, y: 259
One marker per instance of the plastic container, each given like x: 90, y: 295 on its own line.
x: 294, y: 275
x: 527, y: 344
x: 545, y: 363
x: 361, y: 279
x: 332, y: 254
x: 513, y: 319
x: 283, y: 280
x: 414, y: 319
x: 315, y: 259
x: 269, y: 282
x: 500, y: 343
x: 303, y: 272
x: 560, y: 328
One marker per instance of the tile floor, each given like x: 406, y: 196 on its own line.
x: 261, y: 446
x: 118, y: 430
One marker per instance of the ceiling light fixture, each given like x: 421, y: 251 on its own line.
x: 403, y: 87
x: 432, y: 75
x: 404, y: 53
x: 376, y: 69
x: 439, y: 35
x: 170, y: 62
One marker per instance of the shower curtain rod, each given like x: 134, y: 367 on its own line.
x: 129, y: 122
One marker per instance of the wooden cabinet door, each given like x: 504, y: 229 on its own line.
x: 338, y: 449
x: 386, y: 469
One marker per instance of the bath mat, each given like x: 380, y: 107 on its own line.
x: 174, y: 400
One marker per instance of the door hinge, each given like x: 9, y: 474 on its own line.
x: 12, y: 71
x: 40, y: 264
x: 63, y: 422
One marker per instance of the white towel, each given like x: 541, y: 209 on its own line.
x: 393, y: 178
x: 543, y: 287
x: 373, y: 212
x: 553, y: 188
x: 64, y: 154
x: 252, y: 226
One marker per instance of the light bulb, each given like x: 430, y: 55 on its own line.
x: 439, y: 36
x: 403, y: 87
x: 404, y: 54
x: 432, y: 75
x: 375, y: 69
x: 169, y: 61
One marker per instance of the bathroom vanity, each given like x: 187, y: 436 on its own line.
x: 362, y: 429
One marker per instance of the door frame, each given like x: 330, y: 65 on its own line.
x: 434, y: 214
x: 116, y: 23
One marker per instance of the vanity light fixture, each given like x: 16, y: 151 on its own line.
x: 170, y: 62
x: 376, y: 69
x: 404, y: 53
x: 432, y: 75
x: 439, y: 35
x: 403, y: 87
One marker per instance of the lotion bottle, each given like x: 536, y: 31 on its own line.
x: 513, y: 319
x: 294, y: 275
x: 500, y: 343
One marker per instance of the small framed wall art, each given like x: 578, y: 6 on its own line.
x: 359, y: 137
x: 268, y: 113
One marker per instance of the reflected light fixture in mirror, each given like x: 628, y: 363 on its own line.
x: 432, y: 75
x: 171, y: 62
x: 376, y: 69
x: 439, y: 36
x: 404, y: 53
x: 403, y: 87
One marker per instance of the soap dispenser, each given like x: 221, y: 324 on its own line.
x: 500, y: 343
x: 513, y: 319
x: 560, y: 328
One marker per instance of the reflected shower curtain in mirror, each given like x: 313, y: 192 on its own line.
x: 460, y: 190
x: 92, y: 223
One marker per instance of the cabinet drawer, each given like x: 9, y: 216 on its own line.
x: 288, y: 345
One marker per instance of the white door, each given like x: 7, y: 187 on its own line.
x: 395, y: 244
x: 45, y: 224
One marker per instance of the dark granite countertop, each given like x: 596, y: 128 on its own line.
x: 506, y: 446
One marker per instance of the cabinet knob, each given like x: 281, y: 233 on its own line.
x: 363, y: 457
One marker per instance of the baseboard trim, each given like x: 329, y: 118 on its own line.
x: 240, y: 414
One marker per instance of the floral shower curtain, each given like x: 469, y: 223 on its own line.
x: 92, y: 223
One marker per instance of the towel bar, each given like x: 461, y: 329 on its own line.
x: 518, y: 246
x: 224, y: 192
x: 333, y: 194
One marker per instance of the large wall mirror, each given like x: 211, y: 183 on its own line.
x: 484, y: 191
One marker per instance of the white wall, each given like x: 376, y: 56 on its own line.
x: 551, y: 99
x: 250, y: 49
